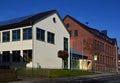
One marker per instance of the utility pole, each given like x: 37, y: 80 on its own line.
x: 71, y: 46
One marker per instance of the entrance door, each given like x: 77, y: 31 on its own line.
x: 66, y: 64
x: 75, y: 64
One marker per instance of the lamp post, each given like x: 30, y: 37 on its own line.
x: 71, y: 46
x: 95, y: 59
x: 82, y: 54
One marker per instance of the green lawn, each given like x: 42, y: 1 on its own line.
x: 64, y: 73
x: 52, y: 73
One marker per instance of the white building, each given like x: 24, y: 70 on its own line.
x: 34, y: 41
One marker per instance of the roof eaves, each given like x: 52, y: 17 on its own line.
x: 40, y: 16
x: 28, y: 21
x: 91, y: 30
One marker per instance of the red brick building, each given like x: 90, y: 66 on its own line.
x: 91, y: 42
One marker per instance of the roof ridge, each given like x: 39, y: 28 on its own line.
x: 92, y: 30
x: 85, y: 26
x: 29, y: 15
x: 25, y: 19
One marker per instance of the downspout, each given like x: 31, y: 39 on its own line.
x: 117, y: 59
x: 69, y: 54
x: 31, y: 23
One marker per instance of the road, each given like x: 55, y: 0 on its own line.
x: 106, y: 79
x: 99, y: 79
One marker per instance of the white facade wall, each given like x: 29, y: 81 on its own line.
x: 15, y: 45
x: 46, y: 54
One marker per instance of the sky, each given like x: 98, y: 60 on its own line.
x: 100, y: 14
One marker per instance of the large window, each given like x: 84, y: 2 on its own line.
x: 50, y: 38
x: 6, y: 36
x: 16, y: 56
x: 65, y: 44
x: 27, y: 55
x: 40, y: 34
x: 15, y: 35
x: 27, y: 33
x: 6, y: 56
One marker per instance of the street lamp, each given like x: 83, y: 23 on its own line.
x: 95, y: 59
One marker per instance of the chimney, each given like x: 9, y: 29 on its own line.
x: 104, y: 32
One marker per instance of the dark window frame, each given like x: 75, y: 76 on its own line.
x: 16, y: 35
x: 16, y: 56
x: 6, y: 56
x: 40, y: 34
x: 51, y: 37
x: 70, y: 32
x: 27, y: 55
x: 67, y: 25
x: 54, y: 20
x: 6, y: 36
x: 65, y: 44
x: 76, y: 33
x: 27, y: 33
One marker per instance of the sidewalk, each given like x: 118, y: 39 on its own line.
x: 58, y: 80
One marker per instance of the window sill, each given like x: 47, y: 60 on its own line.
x: 41, y: 40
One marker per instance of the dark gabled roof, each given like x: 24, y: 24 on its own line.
x: 92, y: 30
x: 24, y: 21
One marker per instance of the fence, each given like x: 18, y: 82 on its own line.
x: 7, y: 75
x: 33, y: 72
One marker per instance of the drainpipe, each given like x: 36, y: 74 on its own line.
x: 31, y: 23
x: 82, y: 55
x: 117, y: 60
x: 71, y: 53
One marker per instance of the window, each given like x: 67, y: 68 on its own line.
x: 27, y: 55
x: 6, y: 56
x: 65, y: 44
x: 16, y: 56
x: 70, y: 33
x: 76, y: 33
x: 40, y: 34
x: 27, y: 33
x: 50, y: 38
x: 6, y: 36
x: 15, y: 35
x: 100, y: 46
x: 95, y: 44
x: 54, y: 20
x: 103, y: 47
x: 67, y: 25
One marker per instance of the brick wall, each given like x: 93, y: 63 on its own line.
x: 90, y: 44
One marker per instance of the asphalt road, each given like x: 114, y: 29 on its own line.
x: 99, y: 79
x: 103, y: 79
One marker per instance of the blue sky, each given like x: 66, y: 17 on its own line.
x: 101, y: 14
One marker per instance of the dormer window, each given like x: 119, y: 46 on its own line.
x: 54, y: 20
